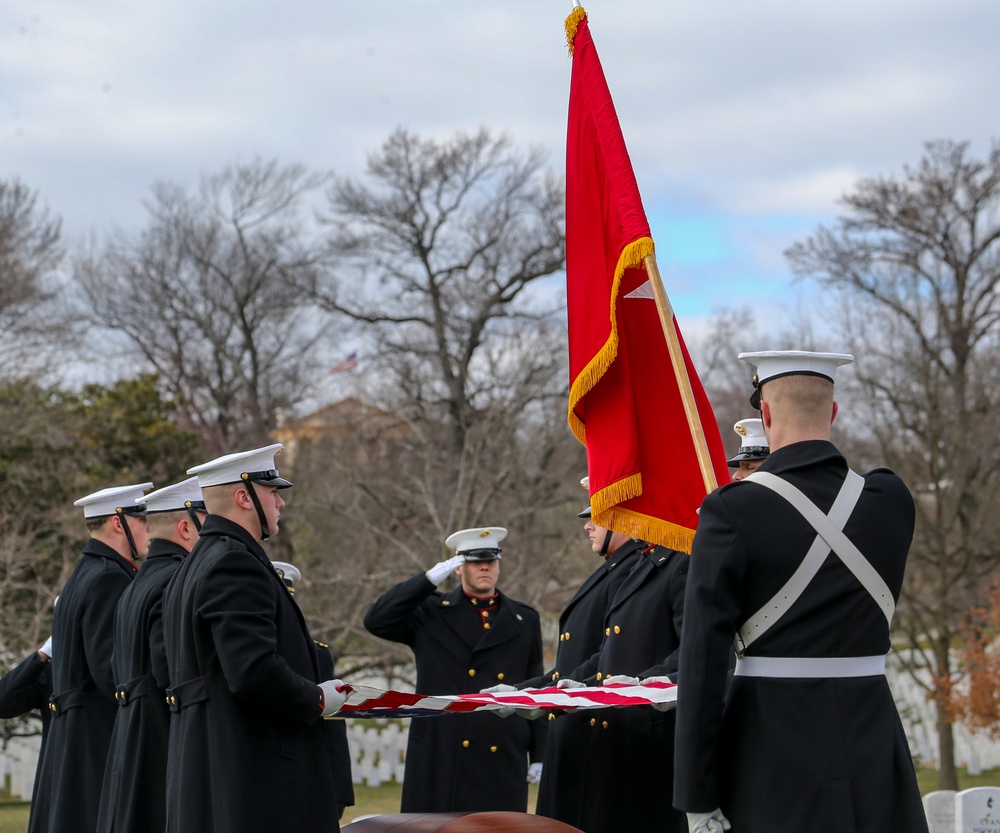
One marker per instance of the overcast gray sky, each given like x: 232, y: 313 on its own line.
x: 745, y: 120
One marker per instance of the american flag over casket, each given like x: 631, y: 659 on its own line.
x: 368, y: 701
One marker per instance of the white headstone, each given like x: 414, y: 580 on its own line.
x: 978, y: 810
x: 939, y: 806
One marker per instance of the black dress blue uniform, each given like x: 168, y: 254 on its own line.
x: 630, y: 747
x: 581, y: 631
x: 133, y: 797
x: 83, y: 707
x: 472, y: 762
x: 244, y: 677
x: 824, y: 754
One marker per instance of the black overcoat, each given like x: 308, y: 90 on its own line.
x: 27, y: 688
x: 134, y: 795
x: 470, y: 762
x: 336, y: 735
x: 248, y: 751
x: 794, y: 754
x: 629, y: 759
x: 581, y: 630
x: 71, y: 769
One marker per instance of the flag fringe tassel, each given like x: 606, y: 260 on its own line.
x: 617, y: 492
x: 632, y: 257
x: 646, y: 528
x: 572, y: 22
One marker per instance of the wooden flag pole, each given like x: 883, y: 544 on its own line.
x: 680, y: 371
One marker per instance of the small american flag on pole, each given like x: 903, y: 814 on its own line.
x: 348, y: 363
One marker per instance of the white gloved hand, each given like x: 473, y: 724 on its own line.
x: 535, y: 772
x: 713, y: 822
x: 440, y: 571
x: 499, y: 688
x: 505, y: 711
x: 334, y: 696
x: 660, y: 707
x: 46, y: 648
x: 567, y: 683
x: 621, y: 679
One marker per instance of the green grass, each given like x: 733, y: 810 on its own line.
x: 927, y: 780
x: 384, y: 800
x: 14, y: 817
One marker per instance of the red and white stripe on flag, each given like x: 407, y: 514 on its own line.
x: 368, y: 701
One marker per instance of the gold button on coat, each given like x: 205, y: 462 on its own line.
x: 472, y: 672
x: 465, y: 743
x: 500, y: 675
x: 493, y: 749
x: 617, y: 629
x: 593, y: 721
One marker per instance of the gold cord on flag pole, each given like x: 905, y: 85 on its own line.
x: 680, y: 371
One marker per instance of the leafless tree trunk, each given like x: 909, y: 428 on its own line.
x: 208, y: 295
x: 914, y: 266
x: 448, y: 257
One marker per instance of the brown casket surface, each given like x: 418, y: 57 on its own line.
x: 497, y: 822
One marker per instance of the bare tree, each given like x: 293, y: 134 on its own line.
x: 915, y: 267
x: 30, y: 251
x: 207, y: 294
x: 443, y: 255
x: 444, y: 245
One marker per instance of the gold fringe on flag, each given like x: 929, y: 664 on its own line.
x: 646, y: 528
x: 631, y: 258
x: 572, y: 22
x: 615, y: 493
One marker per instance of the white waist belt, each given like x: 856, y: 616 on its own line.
x: 810, y: 666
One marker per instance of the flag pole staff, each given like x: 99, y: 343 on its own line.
x: 680, y: 371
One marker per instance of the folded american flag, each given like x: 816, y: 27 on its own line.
x: 368, y: 701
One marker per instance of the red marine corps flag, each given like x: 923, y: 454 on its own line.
x: 635, y: 402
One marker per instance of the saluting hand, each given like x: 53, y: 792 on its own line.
x: 440, y: 571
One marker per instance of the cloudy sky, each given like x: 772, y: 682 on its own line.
x: 745, y: 120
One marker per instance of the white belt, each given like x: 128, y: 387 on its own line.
x: 810, y: 666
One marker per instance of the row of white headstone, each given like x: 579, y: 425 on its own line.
x: 969, y: 811
x: 18, y: 763
x: 378, y: 749
x: 974, y: 752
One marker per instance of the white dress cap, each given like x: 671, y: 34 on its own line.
x: 256, y: 465
x: 114, y: 500
x: 481, y: 544
x: 772, y: 364
x: 176, y: 498
x: 288, y: 572
x: 753, y: 441
x: 585, y: 482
